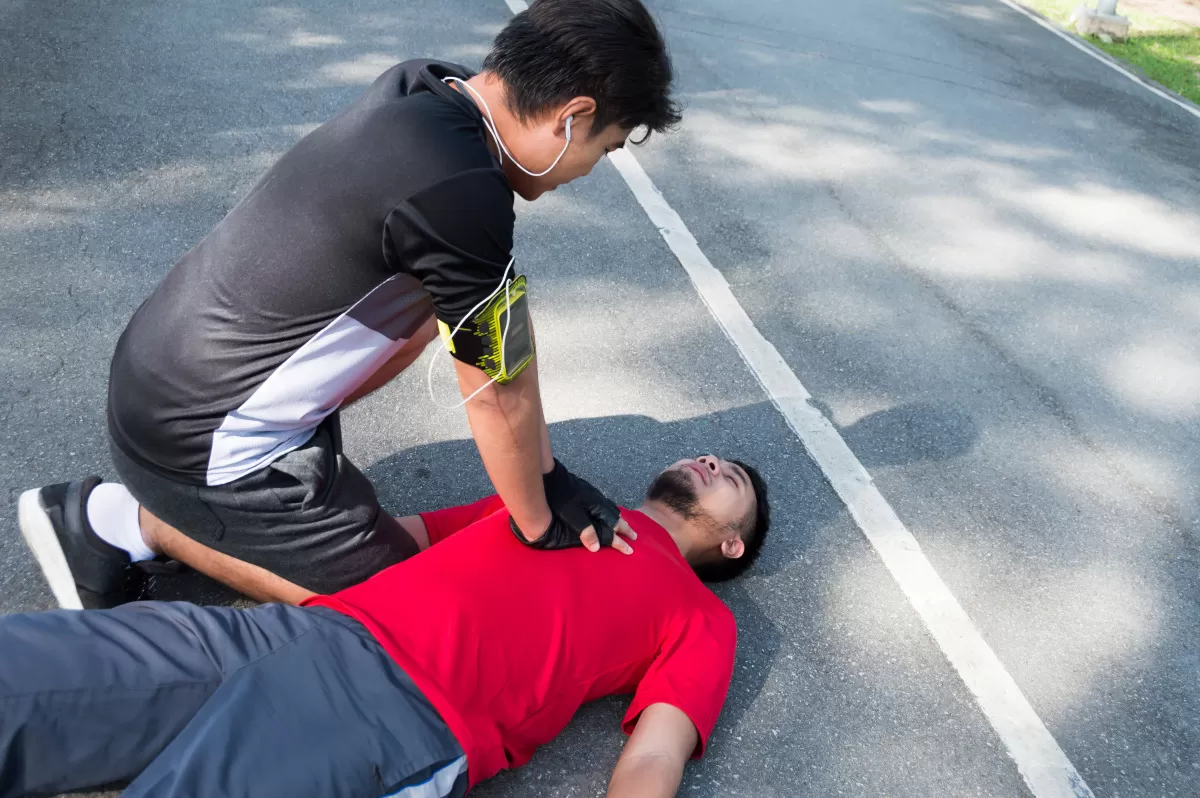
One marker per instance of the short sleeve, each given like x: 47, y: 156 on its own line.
x: 441, y: 524
x: 456, y: 237
x: 691, y: 672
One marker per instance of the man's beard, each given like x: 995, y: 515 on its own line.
x: 675, y: 489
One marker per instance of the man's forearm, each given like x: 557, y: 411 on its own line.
x: 510, y: 432
x: 547, y: 452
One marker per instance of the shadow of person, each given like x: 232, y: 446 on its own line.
x: 621, y: 454
x: 910, y: 433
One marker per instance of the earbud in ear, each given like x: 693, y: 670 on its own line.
x: 569, y: 118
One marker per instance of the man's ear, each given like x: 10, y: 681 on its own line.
x: 582, y: 108
x: 733, y: 549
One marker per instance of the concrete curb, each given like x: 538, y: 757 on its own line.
x: 1128, y: 69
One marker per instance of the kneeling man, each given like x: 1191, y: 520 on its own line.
x: 421, y: 682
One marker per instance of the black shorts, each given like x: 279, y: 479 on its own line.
x: 311, y: 516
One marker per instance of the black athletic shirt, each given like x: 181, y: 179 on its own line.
x: 393, y: 210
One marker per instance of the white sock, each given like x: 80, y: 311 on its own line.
x: 113, y: 513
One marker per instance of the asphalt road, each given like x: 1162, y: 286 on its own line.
x: 977, y: 247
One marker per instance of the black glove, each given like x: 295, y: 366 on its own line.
x: 575, y: 506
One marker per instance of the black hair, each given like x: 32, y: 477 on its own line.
x: 609, y: 50
x: 753, y: 533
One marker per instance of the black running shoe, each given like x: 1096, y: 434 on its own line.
x: 84, y: 572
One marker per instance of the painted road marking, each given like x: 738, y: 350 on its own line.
x: 1040, y: 760
x: 1079, y: 44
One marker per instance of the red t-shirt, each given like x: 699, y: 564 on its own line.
x: 507, y: 642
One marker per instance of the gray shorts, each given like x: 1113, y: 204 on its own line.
x: 186, y: 701
x: 311, y: 516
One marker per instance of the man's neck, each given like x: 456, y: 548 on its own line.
x: 676, y: 525
x: 491, y: 88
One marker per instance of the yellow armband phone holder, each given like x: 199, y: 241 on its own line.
x: 497, y: 339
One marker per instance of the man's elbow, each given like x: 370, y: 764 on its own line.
x: 646, y: 775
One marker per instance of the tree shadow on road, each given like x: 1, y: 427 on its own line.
x: 110, y: 173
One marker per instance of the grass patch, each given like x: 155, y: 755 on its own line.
x: 1171, y: 59
x: 1164, y: 50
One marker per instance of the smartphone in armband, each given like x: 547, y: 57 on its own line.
x: 485, y: 342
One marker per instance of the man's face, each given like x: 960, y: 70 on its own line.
x: 714, y: 493
x: 542, y: 143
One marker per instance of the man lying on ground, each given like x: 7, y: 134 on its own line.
x: 421, y: 682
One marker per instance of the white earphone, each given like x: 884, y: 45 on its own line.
x: 490, y: 124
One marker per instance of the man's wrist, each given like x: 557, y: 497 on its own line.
x: 533, y: 526
x: 553, y: 473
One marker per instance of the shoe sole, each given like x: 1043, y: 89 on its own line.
x: 38, y: 531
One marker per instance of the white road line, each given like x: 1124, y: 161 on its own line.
x: 1041, y: 762
x: 1039, y: 759
x: 1081, y: 45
